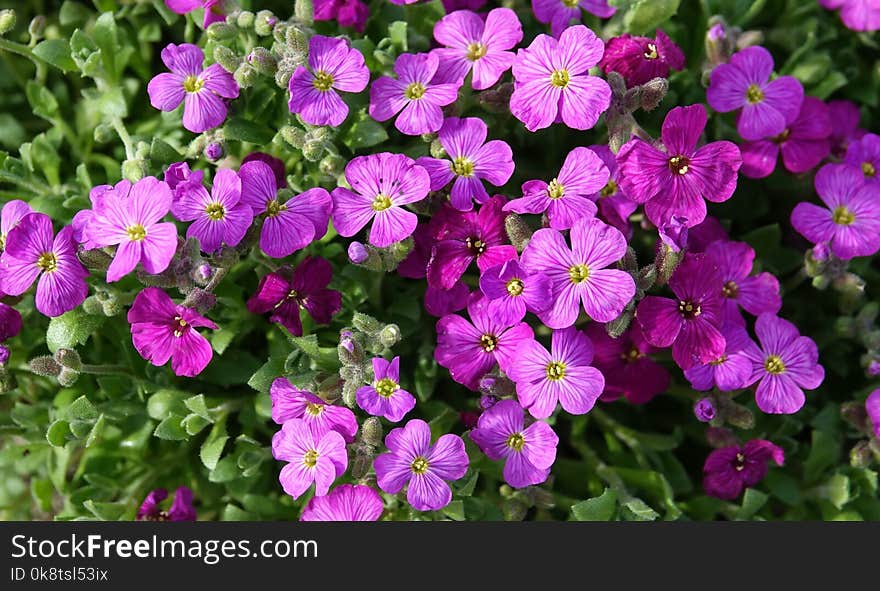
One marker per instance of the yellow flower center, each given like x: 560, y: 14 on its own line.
x: 679, y: 165
x: 462, y: 166
x: 555, y: 190
x: 216, y: 211
x: 476, y: 50
x: 651, y: 54
x: 843, y: 216
x: 689, y: 310
x: 740, y: 462
x: 310, y: 458
x: 488, y: 342
x: 718, y: 361
x: 555, y: 371
x: 181, y: 326
x: 609, y: 189
x: 314, y: 409
x: 632, y: 355
x: 570, y: 3
x: 515, y: 287
x: 579, y: 273
x: 419, y: 465
x: 475, y: 245
x: 560, y: 78
x: 730, y: 289
x: 773, y: 364
x: 47, y: 262
x: 868, y: 169
x: 193, y: 83
x: 381, y: 202
x: 516, y: 441
x: 136, y: 233
x: 754, y: 94
x: 273, y: 208
x: 323, y: 81
x: 414, y: 91
x: 386, y: 387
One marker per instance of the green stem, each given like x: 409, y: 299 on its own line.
x: 106, y: 370
x: 19, y: 49
x: 119, y: 126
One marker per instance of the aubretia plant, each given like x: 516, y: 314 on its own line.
x: 326, y: 260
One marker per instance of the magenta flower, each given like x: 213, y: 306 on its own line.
x: 465, y: 237
x: 691, y: 322
x: 676, y: 181
x: 422, y: 467
x: 471, y: 160
x: 864, y: 154
x: 453, y: 5
x: 32, y: 251
x: 213, y: 9
x: 850, y: 220
x: 10, y: 326
x: 346, y: 502
x: 640, y: 59
x: 786, y: 364
x: 384, y: 397
x: 567, y: 198
x: 286, y: 292
x: 440, y: 302
x: 288, y: 226
x: 10, y: 215
x: 804, y: 143
x: 311, y: 458
x: 578, y: 274
x: 512, y: 290
x: 181, y: 508
x: 560, y: 13
x: 627, y: 366
x: 162, y: 330
x: 469, y: 350
x: 857, y: 15
x: 348, y: 13
x: 528, y: 452
x: 872, y: 407
x: 552, y: 81
x: 290, y: 403
x: 219, y: 218
x: 132, y: 219
x: 381, y: 184
x: 729, y: 470
x: 704, y: 234
x: 755, y: 294
x: 744, y: 83
x: 614, y: 207
x: 732, y: 370
x: 178, y: 177
x: 845, y: 115
x: 333, y: 65
x: 202, y: 90
x: 413, y: 94
x: 563, y: 375
x: 474, y: 45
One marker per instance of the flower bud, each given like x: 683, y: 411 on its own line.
x: 496, y: 386
x: 518, y: 231
x: 332, y: 165
x: 214, y: 151
x: 514, y: 510
x: 245, y: 75
x: 245, y: 19
x: 7, y: 384
x: 363, y: 459
x: 111, y: 307
x: 390, y: 335
x: 304, y: 11
x: 4, y: 355
x: 653, y: 93
x: 92, y: 306
x: 36, y: 27
x: 44, y: 366
x: 200, y: 299
x: 717, y: 42
x: 437, y: 150
x: 67, y: 377
x: 618, y: 326
x: 7, y: 20
x: 497, y: 100
x: 293, y: 136
x: 749, y: 38
x: 646, y: 278
x: 719, y: 437
x: 861, y: 456
x: 487, y: 401
x: 134, y: 170
x: 203, y: 273
x: 349, y: 393
x: 104, y: 133
x: 874, y: 368
x: 297, y: 40
x: 221, y: 31
x: 263, y: 61
x: 226, y: 58
x: 739, y: 416
x: 264, y: 23
x: 68, y: 358
x: 350, y: 349
x: 95, y: 260
x: 704, y: 410
x: 366, y: 324
x: 371, y: 431
x: 313, y: 149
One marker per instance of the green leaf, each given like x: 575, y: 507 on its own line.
x: 57, y: 433
x: 81, y: 409
x: 194, y: 424
x: 57, y: 53
x: 364, y: 132
x: 71, y: 329
x: 824, y: 453
x: 262, y: 380
x: 643, y: 16
x: 752, y: 502
x: 638, y: 510
x: 166, y: 402
x: 226, y: 470
x: 106, y: 511
x: 162, y: 152
x: 467, y: 489
x: 397, y: 34
x: 454, y: 510
x: 42, y: 491
x: 42, y: 101
x: 197, y: 405
x: 96, y: 432
x: 838, y: 490
x: 171, y: 429
x: 212, y: 448
x: 601, y: 508
x: 243, y: 130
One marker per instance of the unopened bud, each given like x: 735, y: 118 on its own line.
x: 245, y: 75
x: 349, y: 393
x: 214, y: 151
x: 304, y: 11
x: 514, y: 510
x: 294, y: 136
x: 313, y: 149
x: 486, y: 401
x: 96, y: 259
x: 739, y: 416
x: 363, y: 459
x: 111, y: 307
x: 92, y: 306
x: 245, y: 19
x: 497, y: 100
x: 748, y: 39
x: 437, y: 150
x: 495, y: 386
x: 371, y: 431
x: 264, y: 23
x: 332, y: 165
x: 653, y: 93
x: 221, y: 31
x: 719, y: 437
x: 7, y: 20
x: 36, y: 27
x: 7, y: 384
x: 861, y: 455
x: 350, y: 350
x: 263, y: 61
x: 226, y: 58
x: 518, y: 231
x: 366, y: 324
x: 201, y: 300
x: 618, y: 326
x: 67, y: 377
x: 646, y: 278
x: 856, y: 415
x: 390, y: 335
x: 68, y: 358
x: 45, y: 366
x: 134, y: 170
x: 297, y: 40
x: 704, y: 410
x: 4, y: 355
x: 104, y: 133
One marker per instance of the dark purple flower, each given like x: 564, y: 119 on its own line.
x: 872, y: 406
x: 348, y: 13
x: 346, y: 502
x: 732, y: 370
x: 528, y: 452
x: 513, y: 290
x: 614, y: 205
x: 384, y: 397
x: 285, y: 292
x: 729, y: 470
x: 864, y: 155
x: 676, y: 181
x: 423, y: 468
x: 845, y: 115
x: 276, y: 164
x: 704, y: 234
x: 311, y: 458
x: 453, y: 5
x: 415, y: 265
x: 640, y: 59
x: 627, y: 366
x: 291, y: 403
x: 755, y: 294
x: 213, y: 9
x: 10, y: 326
x: 560, y: 13
x: 219, y: 218
x: 691, y: 322
x: 857, y: 15
x: 181, y: 508
x: 440, y: 302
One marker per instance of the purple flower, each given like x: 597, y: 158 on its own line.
x: 567, y: 198
x: 640, y: 59
x: 311, y: 458
x: 440, y: 302
x: 803, y: 143
x: 744, y: 83
x: 786, y: 363
x: 181, y: 508
x: 30, y: 252
x: 348, y: 13
x: 276, y: 164
x: 704, y: 410
x: 413, y: 94
x: 381, y: 184
x: 471, y: 160
x: 755, y: 294
x: 10, y: 215
x: 285, y: 292
x: 513, y: 290
x: 132, y: 218
x: 578, y: 274
x: 333, y: 65
x: 528, y: 452
x: 732, y: 370
x: 178, y: 176
x: 219, y: 218
x: 563, y: 374
x: 202, y: 90
x: 346, y: 502
x: 290, y: 403
x: 850, y: 220
x: 845, y: 115
x: 465, y: 237
x: 704, y: 234
x: 469, y: 350
x: 384, y: 397
x: 424, y: 468
x: 614, y: 205
x: 729, y: 470
x: 552, y: 81
x: 162, y: 330
x: 453, y: 5
x: 290, y: 225
x: 472, y: 44
x: 857, y: 15
x: 627, y: 366
x: 864, y: 154
x: 10, y: 322
x: 673, y: 234
x: 560, y: 13
x: 213, y: 9
x: 691, y: 322
x: 676, y: 181
x: 872, y: 407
